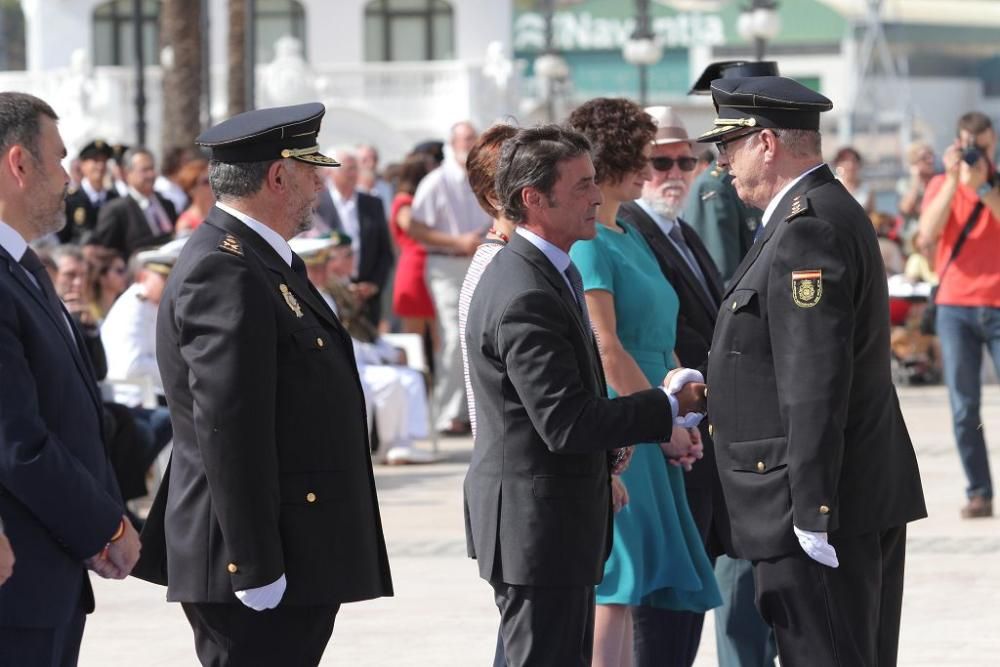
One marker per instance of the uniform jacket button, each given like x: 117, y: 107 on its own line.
x: 310, y: 497
x: 232, y: 568
x: 760, y: 466
x: 319, y: 342
x: 823, y: 509
x: 711, y: 429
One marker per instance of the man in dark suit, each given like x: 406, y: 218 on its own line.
x: 817, y: 468
x: 140, y: 219
x: 342, y: 207
x: 537, y: 494
x: 267, y: 519
x: 60, y: 505
x: 665, y: 636
x: 83, y: 202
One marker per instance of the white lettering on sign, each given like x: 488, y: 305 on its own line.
x: 581, y: 31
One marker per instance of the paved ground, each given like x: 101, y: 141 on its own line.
x: 443, y: 614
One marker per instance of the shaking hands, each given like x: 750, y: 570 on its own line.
x: 119, y: 556
x: 686, y: 389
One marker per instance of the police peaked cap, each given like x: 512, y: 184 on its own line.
x: 269, y: 134
x: 732, y: 69
x: 763, y: 102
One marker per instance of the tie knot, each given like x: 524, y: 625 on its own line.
x: 31, y: 262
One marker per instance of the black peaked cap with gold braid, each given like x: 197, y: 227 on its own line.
x: 763, y: 102
x: 269, y: 134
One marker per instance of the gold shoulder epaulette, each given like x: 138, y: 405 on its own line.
x: 231, y: 244
x: 800, y: 204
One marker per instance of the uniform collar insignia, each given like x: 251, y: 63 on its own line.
x: 800, y: 204
x: 231, y: 245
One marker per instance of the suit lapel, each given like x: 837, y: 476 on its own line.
x: 299, y: 286
x: 809, y: 181
x: 705, y: 263
x: 58, y: 320
x: 537, y: 258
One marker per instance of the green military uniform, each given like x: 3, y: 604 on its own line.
x: 724, y: 223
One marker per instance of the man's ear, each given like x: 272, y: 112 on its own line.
x: 532, y: 198
x: 277, y: 176
x: 16, y: 161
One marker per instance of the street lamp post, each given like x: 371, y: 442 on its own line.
x: 140, y: 74
x: 642, y: 49
x: 759, y: 23
x: 550, y: 66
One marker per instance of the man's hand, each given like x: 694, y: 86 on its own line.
x: 817, y: 547
x: 619, y: 494
x: 118, y: 557
x: 622, y: 457
x: 365, y: 290
x: 688, y: 387
x: 684, y: 447
x: 952, y: 159
x: 263, y: 597
x: 467, y: 243
x: 6, y: 559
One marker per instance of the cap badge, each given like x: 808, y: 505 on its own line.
x: 290, y: 300
x: 231, y: 245
x: 80, y: 215
x: 737, y: 122
x: 807, y: 287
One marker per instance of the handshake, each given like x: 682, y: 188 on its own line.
x: 120, y: 554
x: 686, y: 390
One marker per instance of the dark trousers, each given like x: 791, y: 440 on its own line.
x: 43, y: 647
x: 233, y: 635
x: 664, y: 637
x: 543, y: 626
x: 843, y: 617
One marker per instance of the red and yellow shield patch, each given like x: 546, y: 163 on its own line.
x: 807, y: 287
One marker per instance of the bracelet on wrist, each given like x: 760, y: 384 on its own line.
x: 118, y: 533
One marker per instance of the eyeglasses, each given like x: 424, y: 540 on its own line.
x: 667, y: 163
x: 721, y: 145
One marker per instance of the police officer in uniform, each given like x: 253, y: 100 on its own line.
x: 84, y: 201
x: 267, y: 519
x: 725, y: 224
x: 816, y: 465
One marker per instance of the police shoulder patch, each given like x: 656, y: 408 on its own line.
x: 807, y: 287
x: 800, y: 204
x: 231, y: 244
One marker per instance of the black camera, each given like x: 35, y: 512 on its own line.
x: 971, y: 154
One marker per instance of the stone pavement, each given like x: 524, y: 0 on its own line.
x: 443, y: 614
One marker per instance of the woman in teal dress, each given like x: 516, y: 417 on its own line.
x: 657, y: 558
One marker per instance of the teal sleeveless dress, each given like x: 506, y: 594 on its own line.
x: 657, y: 558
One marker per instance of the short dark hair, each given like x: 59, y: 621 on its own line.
x: 413, y: 169
x: 847, y: 152
x: 618, y: 130
x: 131, y: 154
x: 975, y: 122
x: 176, y: 157
x: 20, y: 114
x: 481, y: 165
x: 530, y: 159
x: 237, y: 179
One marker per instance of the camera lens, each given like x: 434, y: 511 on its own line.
x: 971, y: 155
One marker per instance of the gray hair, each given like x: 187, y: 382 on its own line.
x: 67, y: 250
x: 129, y: 156
x: 800, y: 143
x: 237, y: 179
x: 530, y: 159
x: 20, y: 116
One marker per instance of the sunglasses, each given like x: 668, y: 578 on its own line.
x: 667, y: 163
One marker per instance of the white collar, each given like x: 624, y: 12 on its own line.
x: 12, y: 241
x: 559, y: 259
x: 273, y: 238
x: 663, y: 222
x: 144, y: 201
x: 769, y: 211
x: 339, y: 199
x: 89, y: 190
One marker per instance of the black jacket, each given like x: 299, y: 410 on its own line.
x: 695, y: 327
x: 122, y: 226
x: 271, y: 472
x: 81, y: 216
x: 807, y: 425
x: 537, y: 504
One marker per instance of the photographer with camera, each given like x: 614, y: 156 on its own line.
x: 961, y: 210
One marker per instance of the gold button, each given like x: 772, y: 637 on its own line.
x: 711, y: 429
x: 760, y: 466
x: 319, y: 342
x: 823, y: 509
x: 310, y: 497
x: 232, y: 568
x: 734, y: 305
x: 706, y: 392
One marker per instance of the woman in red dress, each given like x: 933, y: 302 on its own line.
x: 411, y: 301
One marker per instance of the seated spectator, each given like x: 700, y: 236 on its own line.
x: 892, y: 252
x: 919, y: 265
x: 847, y: 165
x: 108, y: 279
x: 920, y: 163
x: 398, y: 393
x: 141, y: 218
x: 193, y: 178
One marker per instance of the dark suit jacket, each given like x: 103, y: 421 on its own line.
x: 808, y: 429
x: 537, y: 504
x: 58, y: 496
x: 271, y: 472
x: 695, y: 327
x: 377, y: 258
x: 81, y: 216
x: 122, y: 226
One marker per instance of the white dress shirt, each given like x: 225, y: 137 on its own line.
x: 273, y: 238
x: 128, y: 334
x: 773, y: 204
x: 347, y: 211
x: 156, y: 216
x: 555, y: 255
x: 444, y: 200
x: 96, y: 197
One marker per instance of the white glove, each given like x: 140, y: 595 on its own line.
x: 817, y: 547
x: 265, y: 597
x: 678, y: 380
